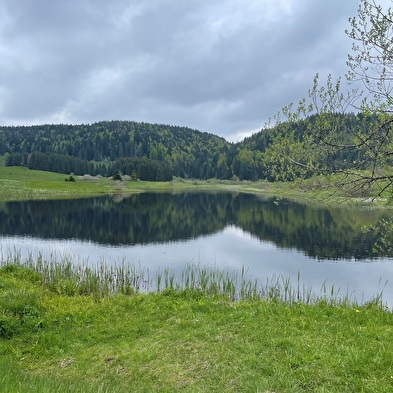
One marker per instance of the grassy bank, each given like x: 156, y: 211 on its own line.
x: 22, y: 183
x: 60, y: 331
x: 18, y: 183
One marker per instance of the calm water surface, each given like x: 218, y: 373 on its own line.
x: 224, y: 230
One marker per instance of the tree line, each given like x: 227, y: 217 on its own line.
x: 158, y: 152
x: 188, y: 153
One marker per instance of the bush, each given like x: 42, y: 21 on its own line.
x: 117, y: 175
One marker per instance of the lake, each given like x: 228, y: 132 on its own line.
x: 268, y: 237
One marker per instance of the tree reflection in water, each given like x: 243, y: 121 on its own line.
x: 148, y: 218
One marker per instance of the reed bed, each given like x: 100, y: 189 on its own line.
x: 69, y: 275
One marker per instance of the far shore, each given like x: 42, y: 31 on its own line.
x: 18, y: 183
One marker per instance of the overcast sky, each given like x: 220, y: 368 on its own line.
x: 220, y: 66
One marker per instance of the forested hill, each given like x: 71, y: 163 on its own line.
x: 189, y: 153
x: 158, y: 152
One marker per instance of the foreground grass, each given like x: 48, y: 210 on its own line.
x: 57, y: 339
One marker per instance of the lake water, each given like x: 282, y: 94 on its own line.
x: 221, y: 230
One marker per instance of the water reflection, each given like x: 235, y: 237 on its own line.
x: 225, y: 230
x: 231, y: 249
x: 151, y: 218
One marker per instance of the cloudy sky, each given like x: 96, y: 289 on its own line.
x: 220, y: 66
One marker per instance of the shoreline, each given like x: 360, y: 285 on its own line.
x: 18, y: 183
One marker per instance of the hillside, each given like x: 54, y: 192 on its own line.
x: 158, y: 152
x: 189, y: 153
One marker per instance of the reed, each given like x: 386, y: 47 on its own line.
x: 69, y: 275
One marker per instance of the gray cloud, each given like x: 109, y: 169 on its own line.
x: 221, y: 66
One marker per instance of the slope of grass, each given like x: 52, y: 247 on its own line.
x: 184, y: 340
x: 22, y: 183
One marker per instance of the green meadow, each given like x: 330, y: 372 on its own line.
x: 22, y: 183
x: 69, y: 330
x: 19, y: 183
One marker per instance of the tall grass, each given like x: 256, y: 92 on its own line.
x: 68, y: 276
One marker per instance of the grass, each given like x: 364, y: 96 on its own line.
x: 22, y: 183
x: 19, y: 183
x: 58, y: 334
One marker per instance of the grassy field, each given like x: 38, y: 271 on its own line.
x: 60, y: 333
x: 22, y: 183
x: 18, y: 183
